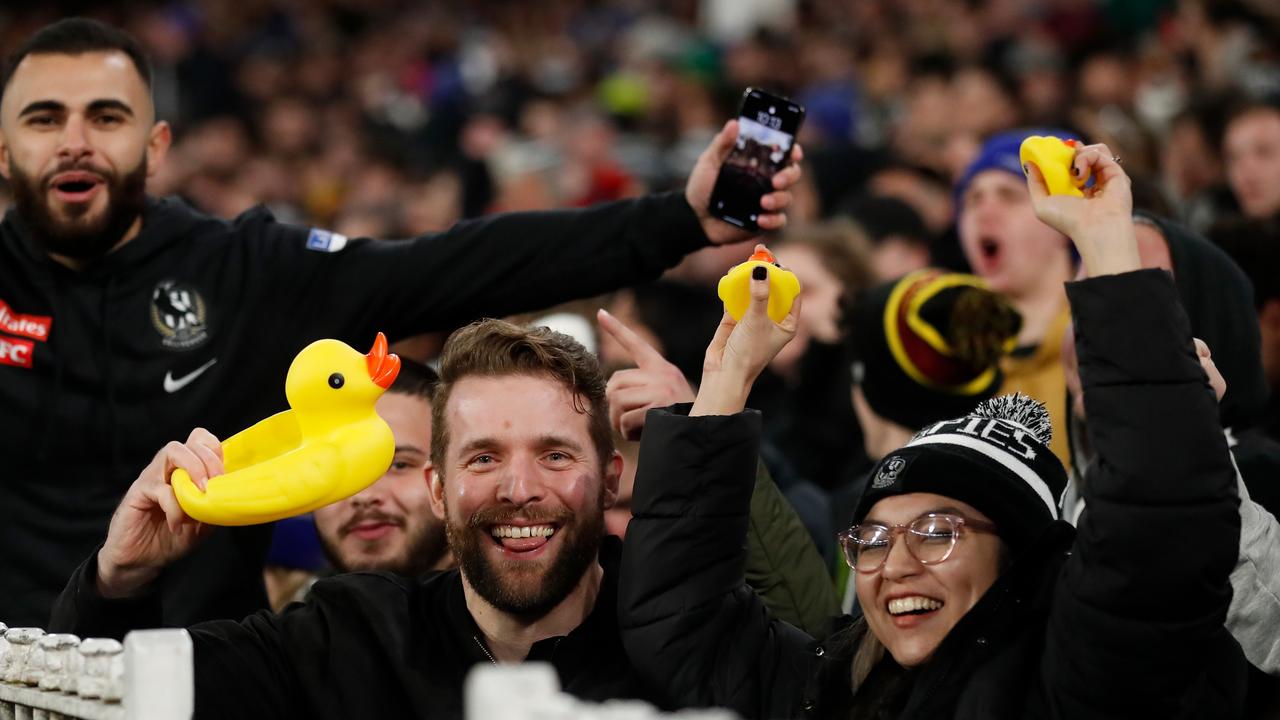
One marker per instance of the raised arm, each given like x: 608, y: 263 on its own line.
x: 688, y: 621
x: 502, y: 264
x: 782, y: 566
x: 1139, y: 610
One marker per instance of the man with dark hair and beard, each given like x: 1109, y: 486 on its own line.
x: 78, y: 170
x: 523, y: 468
x: 125, y: 319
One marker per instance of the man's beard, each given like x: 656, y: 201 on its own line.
x: 424, y: 548
x: 75, y: 234
x: 502, y: 584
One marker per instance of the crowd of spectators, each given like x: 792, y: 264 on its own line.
x: 395, y: 119
x: 390, y: 118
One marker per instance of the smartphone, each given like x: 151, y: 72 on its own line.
x: 767, y: 127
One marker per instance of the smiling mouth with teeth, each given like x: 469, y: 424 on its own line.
x: 913, y: 605
x: 526, y: 531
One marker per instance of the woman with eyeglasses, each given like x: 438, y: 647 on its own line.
x: 977, y: 600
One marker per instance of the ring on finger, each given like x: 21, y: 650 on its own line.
x: 1116, y: 159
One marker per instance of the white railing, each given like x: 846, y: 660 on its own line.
x: 531, y: 691
x: 150, y: 677
x: 55, y: 676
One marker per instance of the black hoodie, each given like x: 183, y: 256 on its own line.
x: 194, y: 323
x: 1218, y: 298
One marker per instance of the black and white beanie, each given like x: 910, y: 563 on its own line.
x: 996, y: 459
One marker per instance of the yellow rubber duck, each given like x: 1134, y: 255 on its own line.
x: 1054, y: 157
x: 735, y: 287
x: 330, y: 445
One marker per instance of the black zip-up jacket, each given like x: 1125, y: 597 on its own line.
x: 194, y: 323
x: 1123, y: 620
x: 364, y: 645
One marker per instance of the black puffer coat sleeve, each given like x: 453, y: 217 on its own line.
x: 1137, y: 619
x: 688, y: 621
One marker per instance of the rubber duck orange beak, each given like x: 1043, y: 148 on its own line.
x: 383, y: 366
x: 763, y: 255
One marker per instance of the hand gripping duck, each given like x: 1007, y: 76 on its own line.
x: 329, y: 445
x: 735, y: 287
x: 1053, y: 156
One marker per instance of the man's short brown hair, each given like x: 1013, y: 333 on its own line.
x: 497, y: 348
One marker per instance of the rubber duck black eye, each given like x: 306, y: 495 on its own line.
x: 336, y: 380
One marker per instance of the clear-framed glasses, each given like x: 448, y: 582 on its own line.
x: 930, y: 539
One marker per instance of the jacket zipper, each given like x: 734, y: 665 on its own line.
x: 484, y: 650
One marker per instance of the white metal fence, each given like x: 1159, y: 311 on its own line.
x: 54, y: 676
x: 150, y: 677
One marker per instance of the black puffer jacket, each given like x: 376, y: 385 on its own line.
x: 1122, y: 620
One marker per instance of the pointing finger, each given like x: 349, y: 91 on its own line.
x: 642, y: 353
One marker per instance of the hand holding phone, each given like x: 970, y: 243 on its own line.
x: 767, y: 127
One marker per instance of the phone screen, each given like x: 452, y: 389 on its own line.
x: 767, y: 127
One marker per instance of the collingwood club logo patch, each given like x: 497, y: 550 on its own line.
x: 889, y: 472
x: 179, y: 314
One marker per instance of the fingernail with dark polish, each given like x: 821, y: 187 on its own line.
x: 760, y: 273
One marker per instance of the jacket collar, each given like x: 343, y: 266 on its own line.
x: 164, y: 221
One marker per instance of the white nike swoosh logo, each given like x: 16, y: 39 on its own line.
x: 173, y: 385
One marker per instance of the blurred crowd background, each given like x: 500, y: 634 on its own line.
x: 394, y: 117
